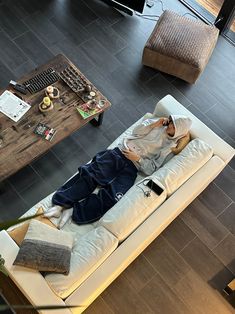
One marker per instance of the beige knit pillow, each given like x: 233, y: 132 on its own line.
x: 45, y: 248
x: 18, y: 233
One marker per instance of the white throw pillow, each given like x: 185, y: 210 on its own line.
x: 182, y: 166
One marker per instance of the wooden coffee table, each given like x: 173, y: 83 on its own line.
x: 19, y: 145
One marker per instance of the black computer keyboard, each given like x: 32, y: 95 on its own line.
x: 41, y: 80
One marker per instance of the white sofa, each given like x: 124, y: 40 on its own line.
x: 105, y: 248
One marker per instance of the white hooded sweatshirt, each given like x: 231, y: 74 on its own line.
x: 154, y: 144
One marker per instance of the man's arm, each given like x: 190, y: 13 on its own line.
x: 131, y: 155
x: 147, y: 125
x: 147, y: 166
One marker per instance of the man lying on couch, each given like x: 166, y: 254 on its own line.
x: 114, y: 170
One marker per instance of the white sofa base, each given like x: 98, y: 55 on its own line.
x: 34, y: 286
x: 143, y: 236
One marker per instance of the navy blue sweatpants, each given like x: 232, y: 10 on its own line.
x: 111, y: 171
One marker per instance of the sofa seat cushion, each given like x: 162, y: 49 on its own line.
x: 89, y: 251
x: 182, y: 166
x: 133, y: 208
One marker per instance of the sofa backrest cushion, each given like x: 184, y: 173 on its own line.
x: 182, y: 166
x: 89, y: 251
x: 132, y: 209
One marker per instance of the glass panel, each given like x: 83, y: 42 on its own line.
x: 212, y: 6
x: 218, y: 12
x: 230, y: 30
x: 208, y: 9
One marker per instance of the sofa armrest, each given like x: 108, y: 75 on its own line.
x: 30, y: 282
x: 169, y: 105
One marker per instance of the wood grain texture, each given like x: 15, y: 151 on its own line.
x: 21, y: 145
x: 139, y: 273
x: 214, y: 199
x: 178, y: 234
x: 206, y: 264
x: 228, y: 218
x: 98, y: 306
x: 162, y: 299
x: 199, y: 296
x: 225, y: 251
x: 169, y: 264
x: 11, y: 55
x: 226, y: 181
x: 10, y: 23
x: 121, y: 297
x: 203, y: 223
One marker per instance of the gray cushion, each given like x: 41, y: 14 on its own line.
x: 45, y: 249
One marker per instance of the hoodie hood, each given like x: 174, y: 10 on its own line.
x: 182, y: 125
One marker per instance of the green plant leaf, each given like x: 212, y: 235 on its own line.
x: 7, y: 224
x: 4, y: 307
x: 3, y: 270
x: 2, y: 267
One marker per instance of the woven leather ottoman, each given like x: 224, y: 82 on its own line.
x: 180, y: 46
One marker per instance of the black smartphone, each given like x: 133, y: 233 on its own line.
x: 154, y: 187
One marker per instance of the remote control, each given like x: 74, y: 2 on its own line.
x: 20, y: 88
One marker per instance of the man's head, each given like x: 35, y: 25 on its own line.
x: 170, y: 130
x: 178, y: 126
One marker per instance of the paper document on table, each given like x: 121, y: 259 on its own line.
x: 12, y: 106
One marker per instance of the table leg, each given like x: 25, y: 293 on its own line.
x: 230, y: 288
x: 1, y: 187
x: 97, y: 121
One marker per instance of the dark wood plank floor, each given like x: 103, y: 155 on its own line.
x: 185, y: 269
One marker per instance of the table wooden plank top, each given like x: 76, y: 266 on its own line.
x: 19, y: 145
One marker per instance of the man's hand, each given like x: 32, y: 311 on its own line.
x: 129, y: 154
x: 158, y: 123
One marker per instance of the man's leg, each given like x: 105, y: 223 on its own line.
x: 101, y: 170
x: 123, y: 182
x: 78, y: 187
x: 106, y: 165
x: 95, y: 206
x: 109, y: 169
